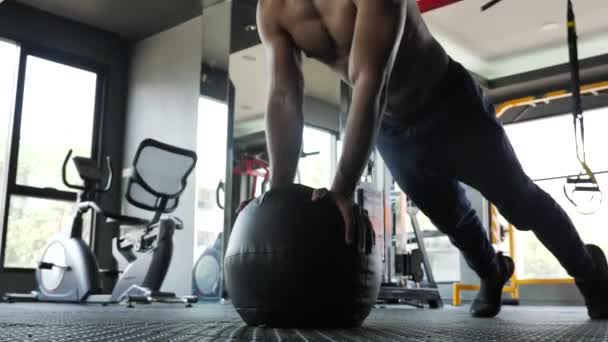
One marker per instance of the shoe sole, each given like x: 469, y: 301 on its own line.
x: 597, y: 254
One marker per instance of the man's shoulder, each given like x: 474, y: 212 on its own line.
x: 270, y: 10
x: 269, y: 15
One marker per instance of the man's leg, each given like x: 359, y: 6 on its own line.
x: 443, y: 200
x: 438, y: 196
x: 472, y: 146
x: 485, y: 160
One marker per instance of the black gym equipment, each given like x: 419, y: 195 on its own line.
x: 412, y: 267
x: 287, y: 264
x: 68, y: 270
x: 207, y: 272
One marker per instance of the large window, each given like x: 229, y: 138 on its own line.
x: 57, y: 115
x: 211, y: 169
x: 546, y: 150
x: 55, y: 111
x: 316, y: 168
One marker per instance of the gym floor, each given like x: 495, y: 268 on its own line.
x: 207, y: 322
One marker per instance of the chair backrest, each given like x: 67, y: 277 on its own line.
x: 159, y: 176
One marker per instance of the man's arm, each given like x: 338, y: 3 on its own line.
x: 284, y: 118
x: 377, y: 35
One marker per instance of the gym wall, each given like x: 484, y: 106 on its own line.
x: 164, y: 87
x: 39, y: 29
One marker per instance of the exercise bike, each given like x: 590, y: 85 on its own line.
x: 68, y: 270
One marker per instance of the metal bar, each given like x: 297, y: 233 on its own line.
x: 514, y: 281
x: 44, y: 193
x: 455, y: 294
x: 229, y: 181
x: 412, y: 211
x: 521, y: 114
x: 395, y: 292
x: 531, y: 100
x: 563, y: 177
x: 4, y: 175
x: 426, y: 234
x: 14, y: 147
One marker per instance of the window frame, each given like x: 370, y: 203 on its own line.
x: 12, y: 188
x: 333, y: 152
x: 9, y: 129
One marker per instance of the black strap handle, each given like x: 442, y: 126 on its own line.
x: 220, y: 187
x: 64, y: 172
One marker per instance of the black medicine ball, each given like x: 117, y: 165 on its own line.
x: 287, y: 264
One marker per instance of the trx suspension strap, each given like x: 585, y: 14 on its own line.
x: 489, y: 5
x: 585, y: 181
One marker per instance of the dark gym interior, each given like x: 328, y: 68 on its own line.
x: 137, y: 200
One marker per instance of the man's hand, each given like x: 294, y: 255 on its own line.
x: 243, y: 205
x: 357, y: 225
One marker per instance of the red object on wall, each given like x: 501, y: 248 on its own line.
x: 429, y: 5
x: 253, y: 167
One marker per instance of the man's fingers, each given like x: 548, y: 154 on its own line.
x: 348, y: 231
x: 243, y: 205
x: 361, y: 229
x: 319, y: 194
x: 347, y: 215
x: 370, y: 236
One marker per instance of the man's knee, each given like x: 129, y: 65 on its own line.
x: 526, y: 211
x: 458, y: 222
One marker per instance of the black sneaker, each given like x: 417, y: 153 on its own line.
x: 488, y: 300
x: 594, y: 287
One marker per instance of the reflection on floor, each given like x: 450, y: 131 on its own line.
x: 50, y: 322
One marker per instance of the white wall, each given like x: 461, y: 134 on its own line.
x: 164, y: 89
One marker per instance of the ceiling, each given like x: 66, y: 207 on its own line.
x: 514, y: 36
x: 131, y: 19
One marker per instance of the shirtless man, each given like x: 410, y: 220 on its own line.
x: 431, y: 124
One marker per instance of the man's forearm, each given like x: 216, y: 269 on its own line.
x: 363, y: 122
x: 284, y: 125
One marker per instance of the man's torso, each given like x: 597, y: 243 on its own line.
x: 324, y: 30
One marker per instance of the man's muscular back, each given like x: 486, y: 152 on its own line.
x: 324, y: 30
